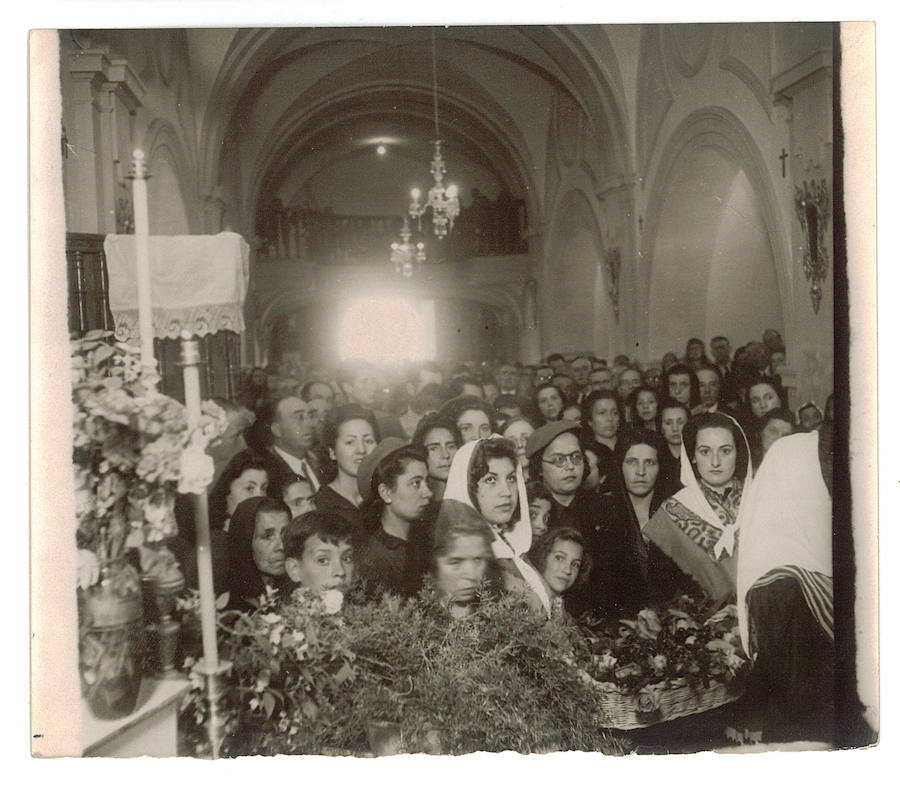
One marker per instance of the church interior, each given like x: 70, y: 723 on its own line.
x: 649, y: 178
x: 464, y: 197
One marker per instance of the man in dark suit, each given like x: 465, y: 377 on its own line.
x: 291, y: 432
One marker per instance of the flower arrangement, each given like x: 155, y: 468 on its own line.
x: 667, y: 649
x: 132, y: 449
x: 310, y: 677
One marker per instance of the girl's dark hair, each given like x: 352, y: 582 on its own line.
x: 283, y: 482
x: 329, y: 527
x: 392, y: 466
x: 782, y: 413
x: 331, y: 430
x: 587, y: 410
x: 769, y: 380
x: 637, y: 436
x: 537, y: 491
x: 218, y: 496
x: 342, y: 414
x: 542, y: 548
x: 462, y: 521
x: 432, y: 421
x: 484, y: 452
x: 682, y: 369
x: 631, y: 403
x: 668, y: 402
x: 534, y: 400
x: 454, y: 408
x: 246, y: 583
x: 715, y: 419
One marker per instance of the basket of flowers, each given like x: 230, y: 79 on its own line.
x: 667, y: 663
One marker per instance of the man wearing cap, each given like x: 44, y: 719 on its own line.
x: 393, y: 483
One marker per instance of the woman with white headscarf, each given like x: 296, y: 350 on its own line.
x: 486, y: 475
x: 698, y: 527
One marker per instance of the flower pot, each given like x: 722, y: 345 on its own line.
x: 112, y: 642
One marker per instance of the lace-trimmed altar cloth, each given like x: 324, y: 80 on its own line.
x: 196, y: 282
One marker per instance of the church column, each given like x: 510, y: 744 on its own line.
x: 530, y: 339
x: 531, y: 347
x: 99, y: 123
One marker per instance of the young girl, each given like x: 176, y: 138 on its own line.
x: 560, y: 559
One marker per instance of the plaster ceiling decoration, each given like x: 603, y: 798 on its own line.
x: 654, y: 97
x: 746, y: 55
x: 568, y: 127
x: 688, y: 46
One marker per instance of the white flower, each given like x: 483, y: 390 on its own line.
x: 607, y: 661
x: 196, y: 470
x: 659, y: 662
x: 333, y: 599
x: 275, y: 634
x: 88, y: 569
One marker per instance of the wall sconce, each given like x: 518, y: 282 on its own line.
x: 613, y: 267
x: 813, y: 207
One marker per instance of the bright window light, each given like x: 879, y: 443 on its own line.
x: 387, y: 330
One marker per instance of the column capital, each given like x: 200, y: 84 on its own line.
x: 108, y: 74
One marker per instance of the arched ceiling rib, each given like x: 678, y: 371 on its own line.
x: 381, y: 76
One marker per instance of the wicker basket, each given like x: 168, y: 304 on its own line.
x: 658, y: 703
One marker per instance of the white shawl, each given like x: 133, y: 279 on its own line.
x: 786, y: 518
x: 515, y: 542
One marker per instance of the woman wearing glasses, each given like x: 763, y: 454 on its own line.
x: 557, y: 456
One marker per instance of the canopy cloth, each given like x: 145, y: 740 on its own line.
x: 197, y: 282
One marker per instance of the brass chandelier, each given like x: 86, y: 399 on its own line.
x: 443, y: 201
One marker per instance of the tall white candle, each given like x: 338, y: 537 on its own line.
x: 190, y: 359
x: 142, y: 259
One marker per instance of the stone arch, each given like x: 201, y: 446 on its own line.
x: 713, y: 230
x: 168, y: 192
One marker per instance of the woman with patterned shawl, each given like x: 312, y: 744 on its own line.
x: 698, y: 527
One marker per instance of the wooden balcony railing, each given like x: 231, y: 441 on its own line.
x: 327, y: 239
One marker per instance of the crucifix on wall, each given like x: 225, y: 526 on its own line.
x: 783, y: 158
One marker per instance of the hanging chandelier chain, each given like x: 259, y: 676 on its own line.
x: 442, y: 200
x: 437, y: 132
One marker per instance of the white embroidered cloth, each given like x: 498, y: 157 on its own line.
x: 196, y: 282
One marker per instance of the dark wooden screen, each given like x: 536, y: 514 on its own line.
x: 89, y: 310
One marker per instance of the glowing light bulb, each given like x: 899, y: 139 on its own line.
x: 381, y: 149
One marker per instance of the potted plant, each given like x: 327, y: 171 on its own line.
x: 132, y: 450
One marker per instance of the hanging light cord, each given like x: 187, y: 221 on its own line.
x: 437, y: 133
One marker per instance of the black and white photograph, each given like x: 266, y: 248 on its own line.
x: 447, y: 389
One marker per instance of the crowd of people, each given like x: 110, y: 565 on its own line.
x: 591, y: 488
